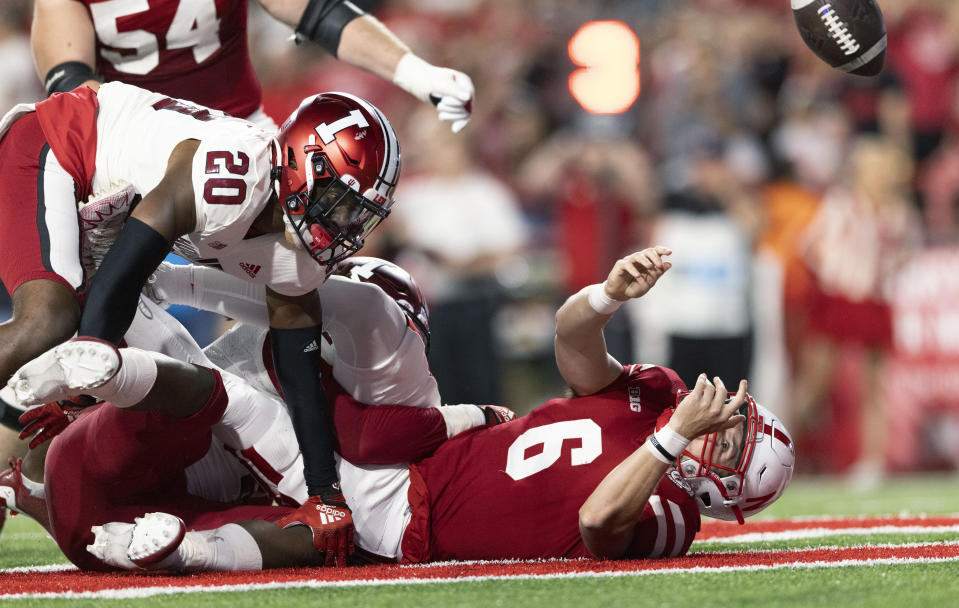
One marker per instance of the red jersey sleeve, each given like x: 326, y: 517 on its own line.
x: 668, y: 525
x: 648, y: 387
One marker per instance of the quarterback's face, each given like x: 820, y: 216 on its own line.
x: 728, y: 447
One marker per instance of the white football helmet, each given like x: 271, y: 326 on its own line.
x: 762, y: 474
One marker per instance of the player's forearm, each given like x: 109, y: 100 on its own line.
x: 367, y: 44
x: 61, y: 31
x: 115, y: 290
x: 295, y: 332
x: 609, y: 516
x: 296, y: 360
x: 580, y: 347
x: 216, y: 291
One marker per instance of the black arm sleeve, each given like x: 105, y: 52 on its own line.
x: 67, y: 76
x: 296, y: 358
x: 323, y: 22
x: 112, y: 298
x: 10, y: 415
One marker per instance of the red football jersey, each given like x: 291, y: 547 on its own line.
x: 514, y: 490
x: 189, y: 49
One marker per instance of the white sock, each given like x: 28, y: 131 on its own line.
x: 461, y: 417
x: 36, y: 489
x: 229, y: 547
x: 134, y: 379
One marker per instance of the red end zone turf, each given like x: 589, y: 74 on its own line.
x: 51, y: 581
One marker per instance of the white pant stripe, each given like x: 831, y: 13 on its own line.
x: 60, y: 219
x: 680, y: 528
x: 657, y: 504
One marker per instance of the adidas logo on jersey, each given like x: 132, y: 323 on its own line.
x: 311, y: 347
x: 329, y: 515
x: 250, y: 269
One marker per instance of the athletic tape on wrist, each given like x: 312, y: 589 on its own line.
x: 657, y: 450
x: 666, y: 444
x: 599, y: 301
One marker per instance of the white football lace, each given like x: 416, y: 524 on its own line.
x: 838, y: 30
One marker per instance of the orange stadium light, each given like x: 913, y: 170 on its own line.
x: 608, y: 80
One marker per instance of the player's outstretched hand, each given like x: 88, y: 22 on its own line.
x: 634, y: 275
x: 451, y: 91
x: 47, y: 421
x: 706, y: 408
x: 331, y: 521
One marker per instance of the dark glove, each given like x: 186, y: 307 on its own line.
x: 331, y: 520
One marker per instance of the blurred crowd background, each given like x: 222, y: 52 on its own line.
x: 814, y: 216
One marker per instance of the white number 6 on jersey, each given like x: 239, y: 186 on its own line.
x: 551, y: 437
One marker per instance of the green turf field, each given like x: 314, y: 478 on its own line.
x: 23, y: 543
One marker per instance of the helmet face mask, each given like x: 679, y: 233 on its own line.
x: 759, y: 475
x: 333, y: 221
x: 340, y: 164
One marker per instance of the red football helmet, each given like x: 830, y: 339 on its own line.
x: 397, y: 283
x: 764, y: 468
x: 340, y: 161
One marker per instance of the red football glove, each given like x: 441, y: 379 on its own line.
x: 332, y: 523
x: 47, y: 421
x: 497, y: 414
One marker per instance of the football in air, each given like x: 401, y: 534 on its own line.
x: 849, y: 35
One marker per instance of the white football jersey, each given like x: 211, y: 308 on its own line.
x: 377, y: 357
x: 137, y: 131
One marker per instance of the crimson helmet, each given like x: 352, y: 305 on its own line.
x: 763, y: 471
x: 340, y: 161
x: 396, y: 283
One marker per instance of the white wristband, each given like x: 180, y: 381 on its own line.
x: 666, y: 445
x: 599, y: 301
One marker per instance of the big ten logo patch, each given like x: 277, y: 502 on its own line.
x: 634, y: 398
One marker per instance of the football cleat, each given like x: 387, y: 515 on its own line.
x: 110, y: 544
x: 143, y: 544
x: 16, y: 498
x: 155, y: 537
x: 65, y: 371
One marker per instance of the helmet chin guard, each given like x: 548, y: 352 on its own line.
x: 760, y: 475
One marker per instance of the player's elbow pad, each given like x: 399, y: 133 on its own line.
x: 323, y: 22
x: 115, y: 290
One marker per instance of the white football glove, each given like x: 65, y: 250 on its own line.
x: 449, y: 90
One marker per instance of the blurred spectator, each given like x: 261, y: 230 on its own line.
x: 939, y: 186
x: 703, y: 307
x: 458, y: 229
x: 924, y: 52
x: 18, y: 82
x: 599, y: 188
x: 861, y: 236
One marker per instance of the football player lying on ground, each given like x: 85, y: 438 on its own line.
x: 375, y: 313
x: 608, y: 496
x: 276, y: 211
